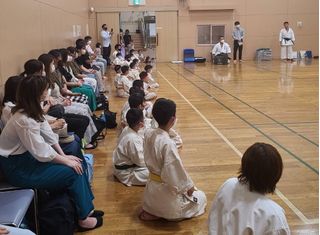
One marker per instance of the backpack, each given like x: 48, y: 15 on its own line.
x: 56, y: 214
x: 110, y: 119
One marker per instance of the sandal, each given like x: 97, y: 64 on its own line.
x: 97, y: 213
x: 101, y: 136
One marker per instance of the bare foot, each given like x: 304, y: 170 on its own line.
x: 89, y: 222
x: 147, y: 216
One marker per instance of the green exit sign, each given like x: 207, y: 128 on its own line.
x: 137, y: 2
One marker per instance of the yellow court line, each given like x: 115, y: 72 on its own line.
x: 216, y: 130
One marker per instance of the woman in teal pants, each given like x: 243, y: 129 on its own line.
x: 28, y: 161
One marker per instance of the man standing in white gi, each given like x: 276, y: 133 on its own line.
x: 286, y: 39
x: 170, y: 192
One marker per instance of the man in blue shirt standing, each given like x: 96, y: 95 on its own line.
x: 238, y: 35
x: 106, y: 42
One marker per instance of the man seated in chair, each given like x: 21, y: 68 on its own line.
x: 220, y: 52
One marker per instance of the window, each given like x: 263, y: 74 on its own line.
x: 209, y: 34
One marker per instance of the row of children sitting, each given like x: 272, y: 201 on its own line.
x: 126, y: 75
x: 147, y: 153
x: 149, y: 130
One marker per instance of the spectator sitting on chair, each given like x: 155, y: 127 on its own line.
x: 221, y: 49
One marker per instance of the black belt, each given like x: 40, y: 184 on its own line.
x: 124, y: 167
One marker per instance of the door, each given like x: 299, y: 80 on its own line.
x: 111, y: 19
x: 167, y: 36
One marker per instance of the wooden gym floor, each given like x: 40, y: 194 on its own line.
x: 221, y: 111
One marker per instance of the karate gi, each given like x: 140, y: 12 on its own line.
x: 128, y: 155
x: 237, y: 211
x: 165, y: 194
x: 286, y: 39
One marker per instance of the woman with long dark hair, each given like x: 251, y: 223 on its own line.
x: 28, y: 161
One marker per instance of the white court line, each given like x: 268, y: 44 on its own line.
x: 283, y: 198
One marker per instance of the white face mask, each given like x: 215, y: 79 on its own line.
x: 49, y: 92
x: 43, y: 73
x: 69, y: 58
x: 83, y: 52
x: 89, y: 42
x: 53, y: 68
x: 175, y: 123
x: 222, y: 41
x: 238, y: 26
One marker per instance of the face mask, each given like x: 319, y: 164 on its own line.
x: 53, y: 68
x: 69, y: 58
x: 83, y: 52
x: 222, y: 41
x: 175, y: 123
x: 89, y: 42
x: 238, y: 26
x: 43, y: 73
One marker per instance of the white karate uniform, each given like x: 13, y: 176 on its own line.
x: 129, y: 151
x: 152, y: 82
x: 168, y: 199
x: 134, y: 74
x: 124, y: 111
x: 218, y: 49
x: 114, y: 55
x: 286, y: 45
x: 123, y: 85
x: 236, y: 210
x: 120, y: 61
x: 148, y: 95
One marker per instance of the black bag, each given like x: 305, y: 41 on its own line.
x: 102, y: 103
x: 199, y: 59
x: 100, y: 125
x: 110, y: 119
x: 56, y: 214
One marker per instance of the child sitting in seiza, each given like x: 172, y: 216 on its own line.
x: 123, y: 83
x: 149, y: 95
x: 117, y: 69
x: 170, y: 192
x: 152, y: 83
x: 128, y: 158
x: 134, y: 72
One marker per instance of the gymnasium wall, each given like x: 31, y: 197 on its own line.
x: 261, y: 19
x: 29, y: 28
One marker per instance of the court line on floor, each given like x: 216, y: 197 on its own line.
x: 245, y: 103
x: 216, y: 130
x: 251, y: 125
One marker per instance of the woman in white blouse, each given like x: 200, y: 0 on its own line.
x: 241, y: 206
x: 28, y: 161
